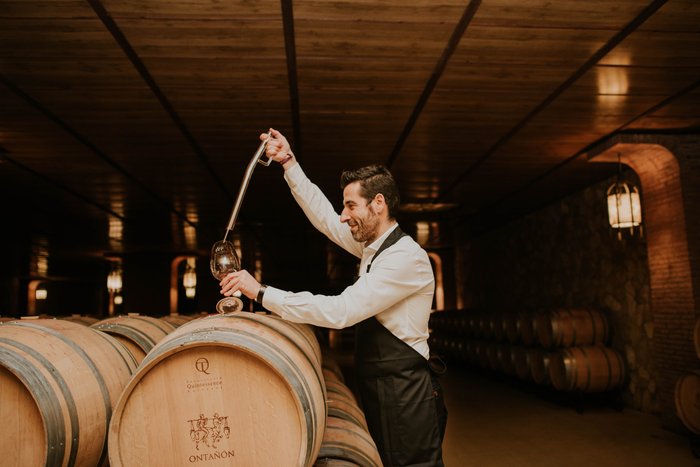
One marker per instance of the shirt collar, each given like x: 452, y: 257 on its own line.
x: 374, y: 246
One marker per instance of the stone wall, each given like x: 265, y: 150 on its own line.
x: 565, y: 255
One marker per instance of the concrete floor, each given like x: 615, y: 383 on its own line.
x: 492, y: 423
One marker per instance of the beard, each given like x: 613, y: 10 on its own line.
x: 367, y: 227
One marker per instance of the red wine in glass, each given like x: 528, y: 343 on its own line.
x: 224, y: 261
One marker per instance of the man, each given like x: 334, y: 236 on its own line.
x: 390, y: 303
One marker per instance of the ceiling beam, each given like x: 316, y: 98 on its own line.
x: 440, y: 66
x: 4, y: 156
x: 498, y: 204
x: 12, y: 87
x: 291, y: 52
x: 136, y: 61
x: 583, y: 69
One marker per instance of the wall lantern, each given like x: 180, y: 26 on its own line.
x: 189, y: 278
x: 624, y: 205
x: 41, y: 293
x: 114, y: 280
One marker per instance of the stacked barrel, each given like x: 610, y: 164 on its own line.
x: 60, y: 382
x: 245, y: 387
x: 248, y: 388
x: 346, y: 440
x: 563, y: 348
x: 687, y: 396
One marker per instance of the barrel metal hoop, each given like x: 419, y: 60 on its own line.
x: 120, y: 349
x: 142, y: 339
x: 594, y: 326
x: 340, y: 450
x: 589, y: 370
x: 93, y: 368
x: 45, y: 398
x: 570, y: 369
x: 254, y: 317
x: 338, y: 412
x: 156, y: 323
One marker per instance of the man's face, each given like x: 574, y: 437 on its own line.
x: 359, y: 214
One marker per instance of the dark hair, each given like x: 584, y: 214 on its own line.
x: 374, y: 179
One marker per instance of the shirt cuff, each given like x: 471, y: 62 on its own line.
x: 294, y: 175
x: 273, y: 300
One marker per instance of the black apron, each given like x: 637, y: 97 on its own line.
x: 401, y: 397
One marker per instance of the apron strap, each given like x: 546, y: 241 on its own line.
x: 393, y: 237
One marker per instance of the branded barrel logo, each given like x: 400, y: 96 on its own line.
x: 202, y: 365
x: 209, y: 431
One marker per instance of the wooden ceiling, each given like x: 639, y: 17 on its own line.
x: 140, y: 116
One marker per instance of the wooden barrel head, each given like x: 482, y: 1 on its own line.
x: 198, y: 405
x: 243, y: 389
x: 687, y: 398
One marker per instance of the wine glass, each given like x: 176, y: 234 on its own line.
x: 224, y: 261
x: 223, y: 256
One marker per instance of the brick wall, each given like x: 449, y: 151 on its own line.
x: 668, y: 168
x: 563, y: 255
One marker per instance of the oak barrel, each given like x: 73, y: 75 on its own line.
x: 510, y: 327
x: 539, y: 366
x: 245, y: 388
x: 138, y: 333
x: 571, y: 327
x: 341, y: 403
x: 586, y: 369
x: 521, y: 362
x: 334, y: 386
x: 498, y: 332
x: 176, y: 320
x: 59, y: 382
x: 81, y: 319
x: 331, y: 365
x: 688, y: 400
x: 526, y: 327
x: 344, y: 440
x: 334, y: 463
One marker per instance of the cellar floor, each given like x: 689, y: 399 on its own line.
x: 495, y: 423
x: 492, y: 423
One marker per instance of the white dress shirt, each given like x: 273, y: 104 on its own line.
x: 398, y: 289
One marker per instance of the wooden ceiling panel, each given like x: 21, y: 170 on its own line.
x: 657, y: 49
x: 603, y: 101
x: 668, y: 39
x: 563, y: 14
x: 76, y: 185
x: 362, y: 67
x: 578, y: 118
x: 89, y: 87
x: 681, y: 113
x: 511, y: 193
x: 152, y: 108
x: 221, y: 65
x: 675, y: 17
x: 500, y: 72
x: 387, y: 11
x: 193, y: 10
